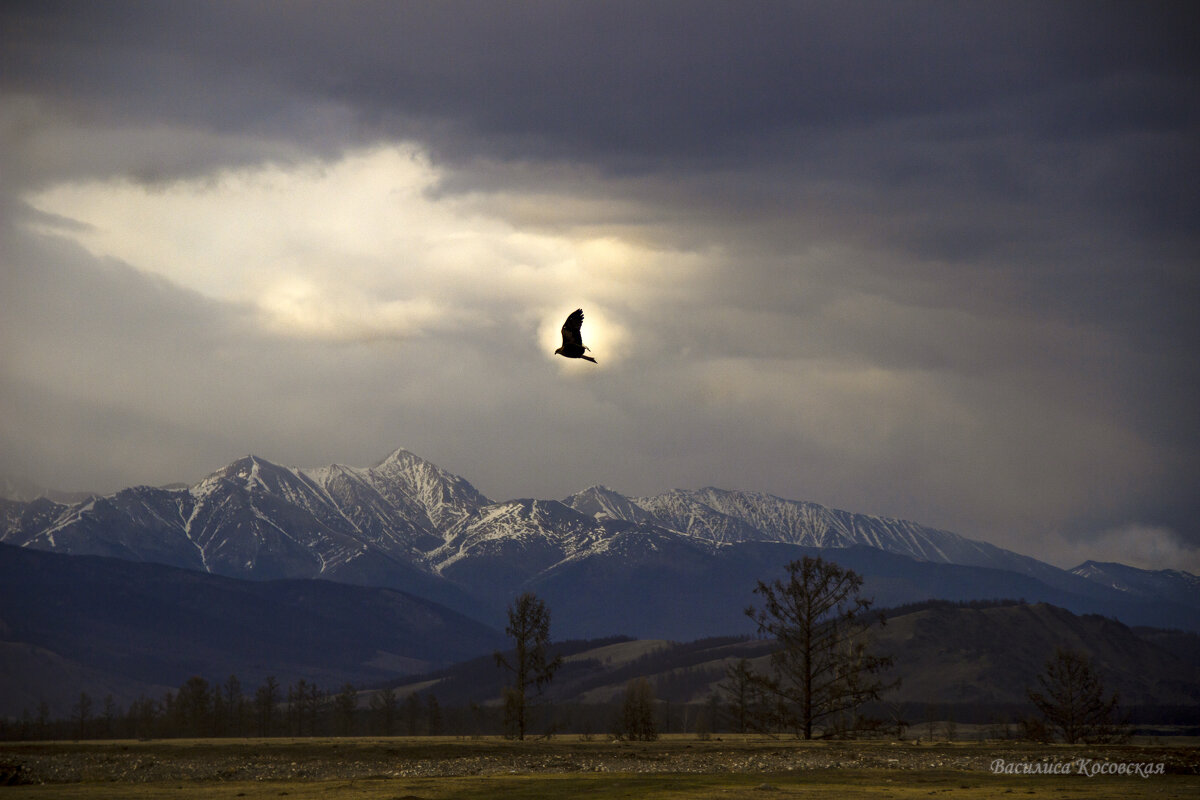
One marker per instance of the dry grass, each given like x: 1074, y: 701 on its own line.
x: 679, y: 767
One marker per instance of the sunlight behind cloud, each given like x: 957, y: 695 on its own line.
x: 602, y: 332
x: 356, y: 249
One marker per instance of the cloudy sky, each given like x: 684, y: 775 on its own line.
x: 936, y: 261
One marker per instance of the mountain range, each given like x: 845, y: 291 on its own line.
x: 677, y: 565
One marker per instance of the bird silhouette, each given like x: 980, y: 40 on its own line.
x: 573, y: 346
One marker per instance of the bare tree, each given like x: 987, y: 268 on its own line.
x: 433, y: 715
x: 265, y: 699
x: 296, y: 696
x: 234, y: 704
x: 531, y: 667
x: 43, y: 720
x: 744, y: 696
x: 384, y: 704
x: 637, y: 712
x: 412, y: 714
x: 347, y: 701
x: 310, y: 706
x: 1073, y: 703
x: 81, y: 713
x: 110, y: 716
x: 822, y: 672
x: 193, y: 707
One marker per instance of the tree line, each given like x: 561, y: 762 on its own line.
x: 199, y: 708
x: 820, y: 680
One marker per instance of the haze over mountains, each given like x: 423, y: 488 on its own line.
x: 677, y: 565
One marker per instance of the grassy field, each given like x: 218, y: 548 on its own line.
x: 408, y: 769
x: 650, y: 787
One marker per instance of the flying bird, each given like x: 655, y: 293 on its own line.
x: 573, y: 346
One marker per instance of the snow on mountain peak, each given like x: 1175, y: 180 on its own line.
x: 1183, y: 587
x: 254, y: 518
x: 602, y: 503
x: 399, y: 454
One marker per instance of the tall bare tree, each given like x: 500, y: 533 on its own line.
x: 530, y: 665
x: 433, y: 715
x: 822, y: 672
x: 1073, y: 702
x: 744, y: 696
x: 346, y: 703
x: 234, y: 704
x: 81, y: 713
x: 265, y: 699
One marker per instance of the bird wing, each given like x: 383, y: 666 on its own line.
x: 571, y: 328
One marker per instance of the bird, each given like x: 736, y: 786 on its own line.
x: 573, y: 346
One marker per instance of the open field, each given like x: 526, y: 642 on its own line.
x: 683, y: 767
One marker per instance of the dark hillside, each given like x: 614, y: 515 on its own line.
x: 148, y: 625
x: 973, y: 654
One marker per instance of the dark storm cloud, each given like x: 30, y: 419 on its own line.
x: 618, y: 79
x: 961, y: 235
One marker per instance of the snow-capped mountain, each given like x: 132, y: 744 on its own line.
x: 720, y: 517
x: 603, y: 503
x: 406, y: 523
x: 1176, y: 585
x: 257, y: 519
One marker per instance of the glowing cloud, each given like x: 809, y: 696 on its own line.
x: 350, y: 250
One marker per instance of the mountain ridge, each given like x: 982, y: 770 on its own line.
x: 408, y: 524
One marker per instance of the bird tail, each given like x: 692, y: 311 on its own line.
x: 589, y: 358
